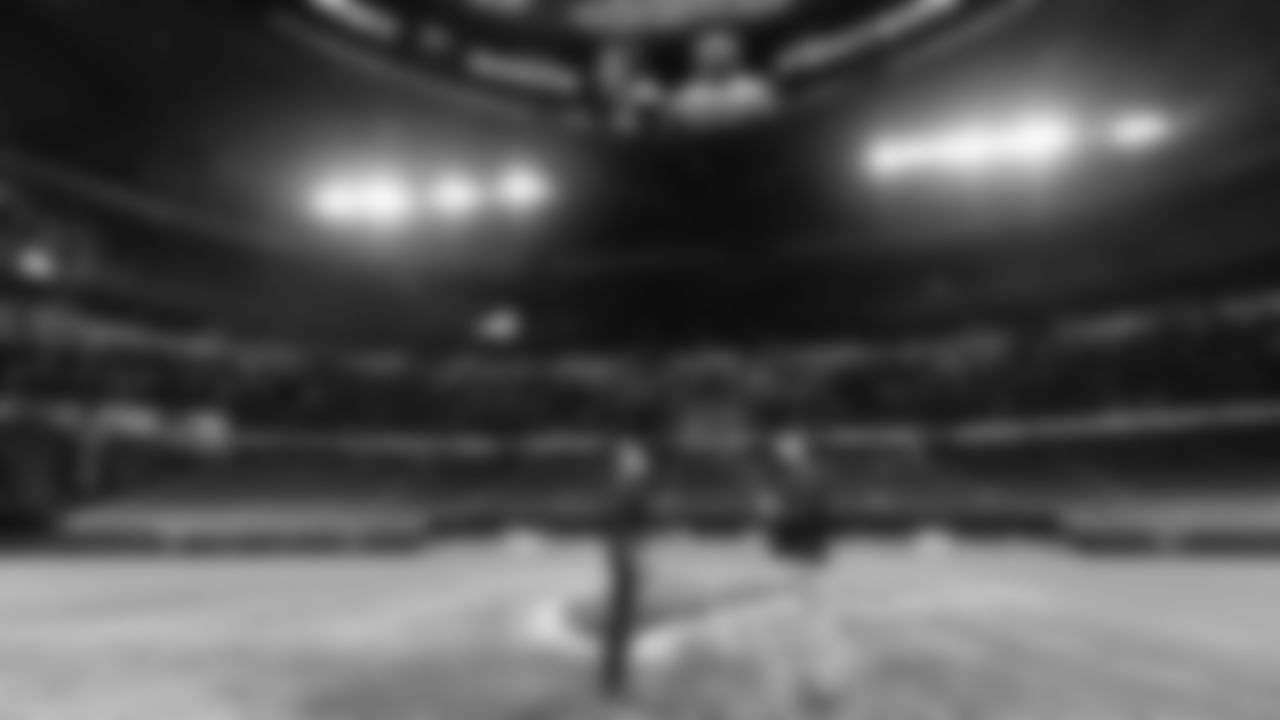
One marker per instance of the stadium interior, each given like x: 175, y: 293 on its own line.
x: 322, y: 323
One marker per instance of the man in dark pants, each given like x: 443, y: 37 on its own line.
x: 627, y: 521
x: 802, y: 522
x: 800, y: 528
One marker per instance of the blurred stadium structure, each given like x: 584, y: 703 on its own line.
x: 1149, y: 426
x: 993, y: 431
x: 635, y: 67
x: 456, y: 287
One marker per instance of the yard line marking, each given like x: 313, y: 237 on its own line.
x: 1105, y: 658
x: 244, y: 618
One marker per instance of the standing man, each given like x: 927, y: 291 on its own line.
x: 627, y: 520
x: 802, y: 524
x: 803, y: 530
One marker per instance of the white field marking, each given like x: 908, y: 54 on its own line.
x: 127, y: 590
x: 952, y: 593
x: 151, y: 698
x: 417, y: 618
x: 1064, y: 643
x: 549, y: 626
x: 549, y: 623
x: 993, y: 599
x: 364, y: 616
x: 1003, y: 603
x: 1229, y: 644
x: 734, y: 626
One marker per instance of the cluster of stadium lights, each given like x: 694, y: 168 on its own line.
x: 389, y: 201
x: 1031, y: 143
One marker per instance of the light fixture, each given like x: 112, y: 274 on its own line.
x: 522, y: 188
x: 1041, y: 141
x: 336, y: 203
x: 456, y: 197
x: 969, y: 150
x: 1140, y: 131
x: 385, y: 201
x: 890, y: 159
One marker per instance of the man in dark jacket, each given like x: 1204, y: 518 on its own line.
x: 801, y: 521
x: 627, y: 520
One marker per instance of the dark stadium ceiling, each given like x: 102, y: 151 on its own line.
x: 184, y: 131
x: 611, y: 65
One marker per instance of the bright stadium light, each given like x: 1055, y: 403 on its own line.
x: 970, y: 150
x: 394, y: 200
x: 381, y: 202
x: 386, y: 201
x: 1140, y: 131
x: 1031, y: 143
x: 522, y: 189
x: 336, y: 202
x: 891, y: 159
x: 1041, y: 141
x: 456, y: 197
